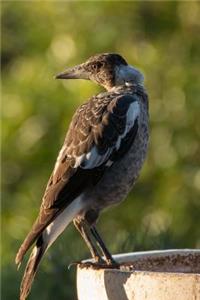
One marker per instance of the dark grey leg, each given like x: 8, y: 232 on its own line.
x: 81, y: 227
x: 106, y: 253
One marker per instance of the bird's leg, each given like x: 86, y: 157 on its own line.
x: 108, y: 257
x: 81, y: 227
x: 91, y: 217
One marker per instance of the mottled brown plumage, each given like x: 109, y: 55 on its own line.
x: 100, y: 160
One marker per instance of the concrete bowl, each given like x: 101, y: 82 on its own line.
x: 151, y: 275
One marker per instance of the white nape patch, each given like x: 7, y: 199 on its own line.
x: 128, y: 74
x: 62, y: 221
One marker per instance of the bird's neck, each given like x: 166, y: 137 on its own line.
x: 125, y: 87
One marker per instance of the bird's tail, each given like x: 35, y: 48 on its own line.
x: 31, y: 269
x: 44, y: 241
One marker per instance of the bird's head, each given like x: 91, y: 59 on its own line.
x: 108, y: 69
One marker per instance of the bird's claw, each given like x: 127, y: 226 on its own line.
x: 74, y: 263
x: 112, y: 264
x: 99, y: 265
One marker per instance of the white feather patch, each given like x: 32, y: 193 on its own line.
x: 94, y: 159
x: 78, y: 160
x: 62, y: 221
x: 132, y: 114
x: 63, y: 149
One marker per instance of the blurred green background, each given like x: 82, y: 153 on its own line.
x: 40, y: 39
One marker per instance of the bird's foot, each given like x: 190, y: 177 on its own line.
x: 98, y: 266
x: 74, y: 264
x: 98, y: 263
x: 99, y: 260
x: 112, y: 264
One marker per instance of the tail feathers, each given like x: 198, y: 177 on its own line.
x: 44, y: 241
x: 29, y: 240
x: 31, y: 269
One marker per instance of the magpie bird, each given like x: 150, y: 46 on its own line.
x: 99, y: 162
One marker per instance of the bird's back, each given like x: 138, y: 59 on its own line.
x: 121, y: 176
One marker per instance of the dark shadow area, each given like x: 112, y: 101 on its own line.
x: 115, y: 289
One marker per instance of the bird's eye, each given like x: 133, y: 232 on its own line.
x: 97, y: 66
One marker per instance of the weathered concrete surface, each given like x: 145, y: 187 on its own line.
x: 155, y: 275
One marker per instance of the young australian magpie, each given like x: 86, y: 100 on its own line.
x: 98, y: 164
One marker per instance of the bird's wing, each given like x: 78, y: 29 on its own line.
x: 98, y: 136
x: 101, y: 131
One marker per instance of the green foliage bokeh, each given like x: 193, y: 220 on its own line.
x: 40, y: 39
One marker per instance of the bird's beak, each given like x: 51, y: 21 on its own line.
x: 77, y: 72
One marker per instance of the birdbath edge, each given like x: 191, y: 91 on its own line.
x: 150, y: 275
